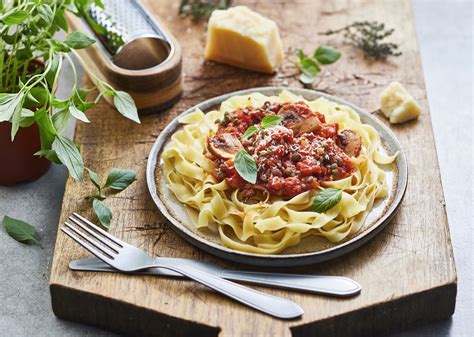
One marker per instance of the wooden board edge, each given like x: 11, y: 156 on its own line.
x: 121, y: 317
x: 388, y: 317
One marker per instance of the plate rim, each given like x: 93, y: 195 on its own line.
x: 277, y: 260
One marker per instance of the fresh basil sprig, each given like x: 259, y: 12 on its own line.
x: 326, y: 199
x: 310, y: 65
x: 19, y: 230
x: 269, y: 121
x: 118, y: 180
x: 246, y: 166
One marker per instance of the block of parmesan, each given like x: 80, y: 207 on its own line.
x: 243, y: 38
x: 397, y: 104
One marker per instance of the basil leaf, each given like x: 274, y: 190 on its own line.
x: 50, y: 76
x: 46, y: 13
x: 119, y: 179
x: 326, y: 55
x: 104, y: 214
x: 308, y: 75
x: 19, y: 230
x: 46, y: 129
x: 310, y: 63
x: 246, y: 166
x: 16, y: 18
x: 95, y: 179
x: 300, y: 54
x: 326, y: 199
x: 61, y: 120
x: 60, y: 20
x: 9, y: 104
x: 27, y: 118
x: 126, y: 106
x: 271, y: 121
x: 16, y: 116
x: 250, y: 131
x: 70, y: 156
x: 49, y: 154
x: 78, y: 40
x: 78, y: 114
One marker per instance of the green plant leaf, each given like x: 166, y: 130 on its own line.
x: 246, y: 166
x: 46, y: 128
x: 49, y: 154
x: 16, y: 116
x: 19, y: 230
x: 326, y: 55
x: 326, y: 199
x: 119, y: 179
x: 271, y: 121
x: 300, y: 54
x: 39, y: 97
x: 60, y: 20
x: 308, y: 75
x: 27, y: 118
x: 250, y: 131
x: 61, y: 120
x: 126, y: 106
x: 78, y: 40
x: 46, y: 13
x: 78, y: 114
x: 95, y: 179
x: 16, y: 17
x: 70, y: 156
x: 104, y: 214
x: 52, y: 71
x: 9, y: 104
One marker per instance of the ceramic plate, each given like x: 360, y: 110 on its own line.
x: 312, y: 249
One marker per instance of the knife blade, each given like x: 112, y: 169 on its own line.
x: 320, y: 284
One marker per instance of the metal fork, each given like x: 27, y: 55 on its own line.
x: 128, y: 258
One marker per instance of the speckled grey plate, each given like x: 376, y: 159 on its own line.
x: 312, y: 249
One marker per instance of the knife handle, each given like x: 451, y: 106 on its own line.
x: 328, y: 285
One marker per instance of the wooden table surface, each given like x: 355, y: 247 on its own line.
x: 407, y: 272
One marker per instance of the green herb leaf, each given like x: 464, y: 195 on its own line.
x: 246, y: 166
x: 119, y: 179
x: 19, y: 230
x: 126, y: 106
x: 9, y: 104
x: 250, y: 131
x: 61, y: 120
x: 95, y: 179
x: 78, y: 114
x: 16, y: 116
x: 78, y: 40
x: 326, y: 199
x: 27, y: 118
x: 60, y: 20
x: 51, y: 75
x: 70, y: 156
x: 271, y: 121
x: 300, y: 54
x: 46, y: 128
x: 16, y: 18
x: 104, y: 214
x: 49, y: 154
x: 326, y: 55
x: 46, y: 13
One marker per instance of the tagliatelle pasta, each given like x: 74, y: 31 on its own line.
x: 274, y: 222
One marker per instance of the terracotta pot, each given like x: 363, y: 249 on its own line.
x: 17, y: 162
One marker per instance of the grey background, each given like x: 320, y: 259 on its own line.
x: 445, y: 35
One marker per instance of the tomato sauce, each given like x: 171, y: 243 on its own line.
x: 291, y: 158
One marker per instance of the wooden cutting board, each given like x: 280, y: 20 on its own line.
x: 407, y: 272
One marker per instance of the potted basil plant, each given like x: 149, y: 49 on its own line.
x: 32, y: 118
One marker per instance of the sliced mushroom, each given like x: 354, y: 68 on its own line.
x: 224, y: 146
x: 310, y: 124
x: 299, y: 118
x: 349, y: 142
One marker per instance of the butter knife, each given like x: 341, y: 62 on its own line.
x: 320, y: 284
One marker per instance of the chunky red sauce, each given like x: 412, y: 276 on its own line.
x: 291, y: 158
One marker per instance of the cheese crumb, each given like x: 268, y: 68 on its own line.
x: 243, y: 38
x: 397, y: 104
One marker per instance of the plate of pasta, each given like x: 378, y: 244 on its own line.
x: 277, y: 176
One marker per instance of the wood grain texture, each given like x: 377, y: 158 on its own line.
x: 407, y: 272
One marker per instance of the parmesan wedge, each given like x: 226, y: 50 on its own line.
x: 397, y: 104
x: 243, y: 38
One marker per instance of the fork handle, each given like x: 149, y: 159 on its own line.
x: 272, y: 305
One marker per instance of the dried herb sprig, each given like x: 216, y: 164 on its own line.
x: 368, y: 37
x: 199, y: 9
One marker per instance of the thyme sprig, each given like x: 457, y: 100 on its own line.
x: 199, y: 9
x: 368, y: 36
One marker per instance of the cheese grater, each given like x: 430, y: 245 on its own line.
x: 134, y: 52
x: 128, y: 31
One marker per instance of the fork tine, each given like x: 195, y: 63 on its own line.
x: 94, y: 234
x: 100, y: 230
x: 88, y: 239
x: 97, y: 253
